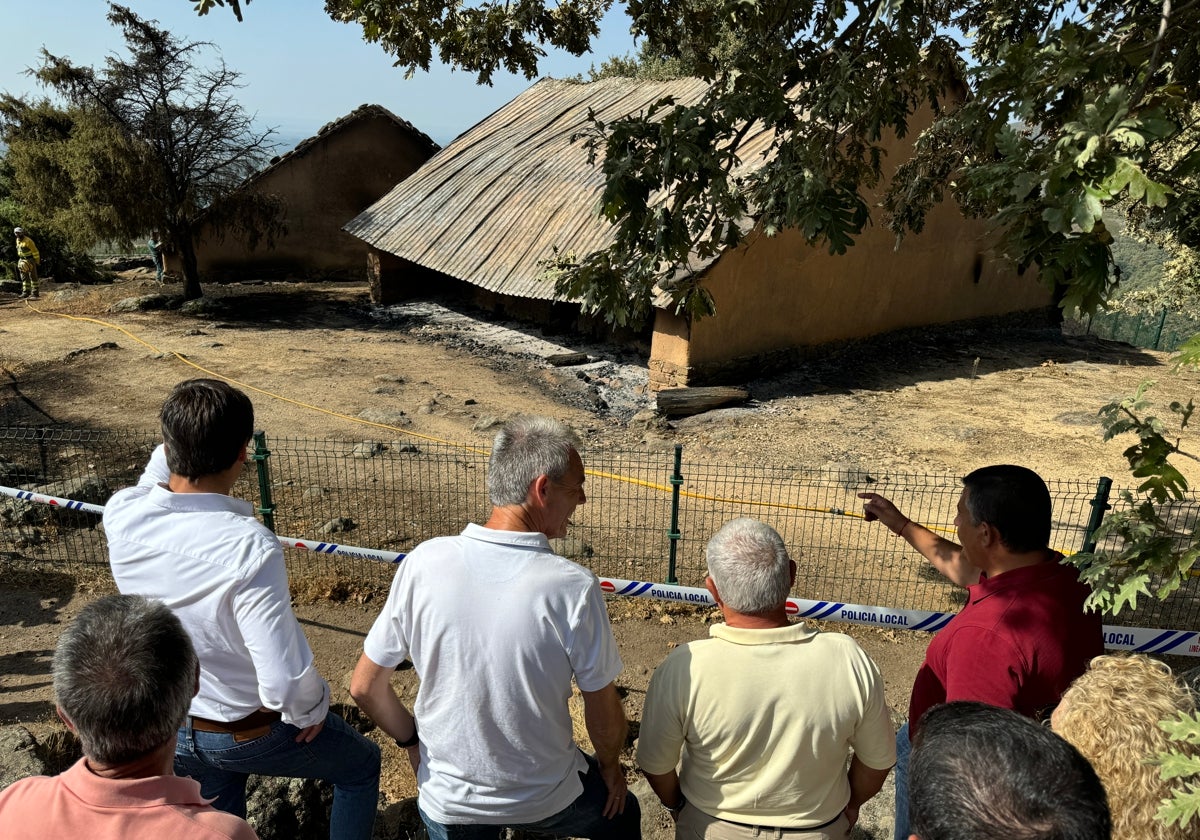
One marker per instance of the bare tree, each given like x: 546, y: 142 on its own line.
x: 194, y: 142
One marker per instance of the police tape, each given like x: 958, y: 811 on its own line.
x: 303, y: 545
x: 1116, y: 637
x: 1139, y: 639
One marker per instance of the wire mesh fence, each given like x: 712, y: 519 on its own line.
x: 645, y: 518
x: 1161, y: 330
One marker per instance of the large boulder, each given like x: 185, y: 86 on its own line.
x: 18, y: 756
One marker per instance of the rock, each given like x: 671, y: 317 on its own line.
x: 75, y: 354
x: 426, y: 407
x: 86, y: 489
x: 69, y: 294
x: 390, y: 377
x: 657, y: 443
x: 571, y: 547
x: 338, y: 524
x: 9, y: 470
x: 567, y: 359
x: 405, y: 448
x: 20, y: 512
x: 384, y: 417
x: 202, y: 306
x: 366, y: 449
x: 18, y: 756
x: 195, y: 332
x: 646, y: 418
x: 383, y: 390
x: 486, y: 422
x: 24, y: 536
x: 288, y: 809
x: 315, y: 493
x: 849, y: 475
x: 145, y: 303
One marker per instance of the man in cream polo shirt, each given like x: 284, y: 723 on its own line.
x: 768, y: 711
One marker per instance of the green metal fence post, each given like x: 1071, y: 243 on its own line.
x: 1099, y: 506
x: 673, y: 535
x: 1158, y: 333
x: 261, y: 454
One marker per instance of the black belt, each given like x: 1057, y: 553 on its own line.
x: 784, y: 828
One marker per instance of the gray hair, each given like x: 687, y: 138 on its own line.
x: 750, y: 566
x: 524, y: 449
x: 124, y: 675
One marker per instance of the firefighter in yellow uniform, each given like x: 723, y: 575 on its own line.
x: 27, y: 261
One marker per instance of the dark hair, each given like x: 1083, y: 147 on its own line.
x: 206, y: 425
x: 124, y: 675
x: 983, y: 773
x: 1013, y: 500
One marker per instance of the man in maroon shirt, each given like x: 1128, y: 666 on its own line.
x: 1023, y: 635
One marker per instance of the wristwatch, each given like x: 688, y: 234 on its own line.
x: 674, y: 812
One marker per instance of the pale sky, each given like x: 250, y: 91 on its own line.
x: 300, y: 69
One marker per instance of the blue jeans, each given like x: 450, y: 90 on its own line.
x: 903, y: 750
x: 338, y: 755
x: 582, y: 818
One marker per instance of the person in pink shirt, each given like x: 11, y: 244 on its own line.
x: 125, y: 672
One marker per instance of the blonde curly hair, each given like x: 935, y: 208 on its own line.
x: 1111, y: 714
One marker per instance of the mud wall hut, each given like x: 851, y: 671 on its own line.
x: 486, y: 212
x: 324, y: 182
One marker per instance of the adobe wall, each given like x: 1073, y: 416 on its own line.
x: 324, y: 186
x: 777, y: 295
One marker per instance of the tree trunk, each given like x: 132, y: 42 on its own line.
x: 189, y: 267
x: 683, y: 402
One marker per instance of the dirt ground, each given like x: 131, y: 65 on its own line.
x: 319, y: 354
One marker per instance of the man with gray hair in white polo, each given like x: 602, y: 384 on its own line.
x: 768, y: 711
x: 497, y: 626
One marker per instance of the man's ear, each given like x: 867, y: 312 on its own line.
x: 66, y: 720
x: 988, y: 534
x: 539, y: 489
x: 711, y: 586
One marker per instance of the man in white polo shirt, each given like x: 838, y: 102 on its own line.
x: 497, y: 625
x: 768, y: 711
x: 180, y: 538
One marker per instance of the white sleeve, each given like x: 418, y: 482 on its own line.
x: 591, y: 647
x: 156, y: 471
x: 288, y: 681
x: 387, y: 643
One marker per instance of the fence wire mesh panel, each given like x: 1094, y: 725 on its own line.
x: 1161, y: 330
x: 371, y: 494
x: 82, y: 465
x: 395, y: 495
x: 623, y: 529
x: 1181, y: 610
